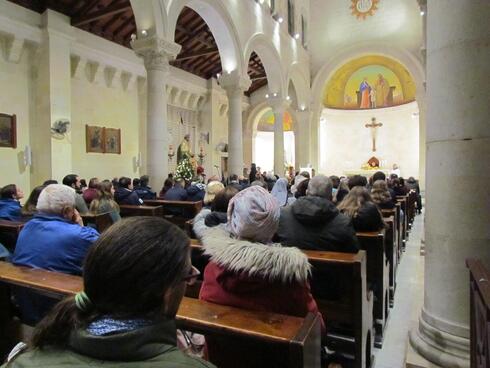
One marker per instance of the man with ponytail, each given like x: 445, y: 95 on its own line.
x: 133, y: 283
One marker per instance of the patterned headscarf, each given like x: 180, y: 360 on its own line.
x: 253, y: 214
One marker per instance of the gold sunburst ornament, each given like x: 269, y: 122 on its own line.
x: 363, y: 8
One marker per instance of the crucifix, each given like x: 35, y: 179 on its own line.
x: 374, y: 126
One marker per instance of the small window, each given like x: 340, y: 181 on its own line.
x: 291, y: 17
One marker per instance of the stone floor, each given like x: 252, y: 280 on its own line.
x: 408, y: 301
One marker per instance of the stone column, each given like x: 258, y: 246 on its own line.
x: 156, y: 53
x: 279, y: 106
x: 235, y: 84
x: 457, y: 190
x: 302, y: 138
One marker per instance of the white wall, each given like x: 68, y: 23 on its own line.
x: 345, y: 142
x: 264, y: 150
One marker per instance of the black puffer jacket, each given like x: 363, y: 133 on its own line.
x: 315, y: 223
x: 126, y: 196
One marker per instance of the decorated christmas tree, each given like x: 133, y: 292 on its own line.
x: 184, y: 170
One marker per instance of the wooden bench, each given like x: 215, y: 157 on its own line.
x: 245, y: 338
x: 392, y: 255
x: 339, y: 286
x: 101, y: 221
x: 396, y: 219
x: 479, y: 314
x: 378, y: 278
x: 130, y: 210
x: 9, y: 232
x: 177, y: 212
x: 404, y: 222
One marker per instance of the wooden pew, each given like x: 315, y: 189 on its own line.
x: 404, y: 223
x: 246, y: 338
x: 378, y: 278
x: 130, y: 210
x: 9, y: 232
x: 392, y: 255
x: 479, y: 314
x: 101, y: 221
x: 339, y: 286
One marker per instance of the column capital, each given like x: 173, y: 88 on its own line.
x: 234, y: 82
x: 156, y: 52
x: 278, y: 104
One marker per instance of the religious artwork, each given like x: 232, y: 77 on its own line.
x: 371, y: 164
x: 112, y: 139
x: 266, y: 122
x: 8, y: 131
x: 363, y: 8
x: 369, y: 82
x: 374, y: 129
x: 94, y: 139
x: 186, y: 162
x: 102, y: 140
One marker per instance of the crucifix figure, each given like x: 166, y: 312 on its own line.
x: 374, y: 126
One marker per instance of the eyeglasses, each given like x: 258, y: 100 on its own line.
x: 191, y: 278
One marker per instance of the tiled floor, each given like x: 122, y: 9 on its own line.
x: 407, y: 302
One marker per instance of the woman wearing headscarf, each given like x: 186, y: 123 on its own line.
x: 246, y: 270
x: 280, y: 191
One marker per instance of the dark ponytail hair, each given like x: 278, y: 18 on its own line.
x: 126, y: 275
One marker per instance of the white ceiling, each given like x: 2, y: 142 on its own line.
x: 333, y: 28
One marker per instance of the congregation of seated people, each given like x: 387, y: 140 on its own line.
x: 253, y: 228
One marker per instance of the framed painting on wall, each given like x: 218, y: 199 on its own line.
x: 94, y: 138
x: 8, y: 131
x: 112, y: 140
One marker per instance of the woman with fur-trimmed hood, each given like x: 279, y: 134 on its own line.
x: 246, y: 270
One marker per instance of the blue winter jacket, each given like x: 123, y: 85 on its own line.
x: 10, y: 209
x: 53, y: 243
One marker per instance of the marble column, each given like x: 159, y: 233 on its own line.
x: 156, y: 53
x: 457, y: 190
x: 235, y: 85
x: 279, y: 106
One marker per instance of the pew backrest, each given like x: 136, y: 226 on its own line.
x: 130, y: 210
x: 276, y: 340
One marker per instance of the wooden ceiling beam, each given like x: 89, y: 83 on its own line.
x: 197, y: 53
x: 195, y: 36
x: 111, y: 10
x: 123, y: 25
x: 89, y: 5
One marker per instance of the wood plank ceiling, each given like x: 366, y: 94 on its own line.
x: 114, y: 21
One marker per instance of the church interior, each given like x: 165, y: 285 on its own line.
x: 153, y: 110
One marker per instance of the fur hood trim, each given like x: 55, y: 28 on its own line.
x: 271, y: 261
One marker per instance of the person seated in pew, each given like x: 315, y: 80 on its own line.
x: 399, y: 187
x: 381, y: 196
x: 379, y: 175
x: 413, y: 184
x: 167, y: 184
x: 280, y: 192
x: 50, y: 181
x: 177, y: 192
x: 30, y: 207
x: 213, y: 188
x: 55, y: 240
x: 259, y: 183
x: 313, y: 222
x: 104, y: 201
x: 196, y: 192
x: 357, y: 181
x: 124, y: 193
x: 359, y: 206
x: 219, y: 206
x: 10, y: 208
x: 134, y: 282
x: 90, y: 193
x: 245, y: 269
x: 143, y: 190
x: 73, y: 181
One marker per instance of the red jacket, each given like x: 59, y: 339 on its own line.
x: 255, y: 276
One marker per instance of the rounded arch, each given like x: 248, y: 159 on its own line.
x: 300, y: 83
x: 408, y: 60
x: 220, y: 23
x: 150, y: 16
x: 271, y: 60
